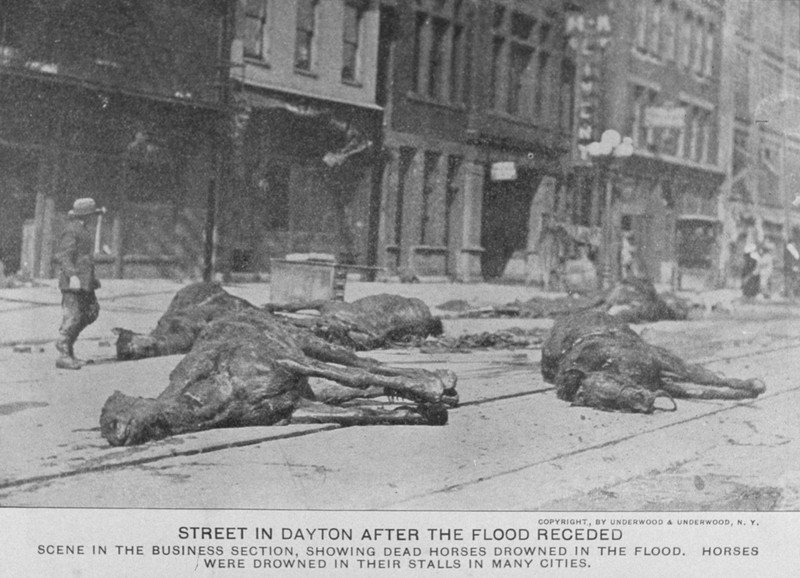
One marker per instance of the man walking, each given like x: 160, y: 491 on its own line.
x: 75, y: 256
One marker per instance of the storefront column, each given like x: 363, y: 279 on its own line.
x: 412, y: 210
x: 469, y: 263
x: 388, y: 250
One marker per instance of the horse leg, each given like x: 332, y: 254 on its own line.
x: 427, y: 386
x: 316, y: 412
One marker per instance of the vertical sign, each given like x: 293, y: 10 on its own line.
x: 589, y: 35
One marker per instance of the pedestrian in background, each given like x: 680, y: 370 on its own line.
x: 766, y: 265
x: 750, y: 279
x: 791, y: 269
x: 77, y: 281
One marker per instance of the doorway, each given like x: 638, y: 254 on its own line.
x: 504, y: 219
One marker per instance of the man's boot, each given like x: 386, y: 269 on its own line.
x: 66, y: 358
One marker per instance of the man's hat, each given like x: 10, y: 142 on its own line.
x: 84, y: 208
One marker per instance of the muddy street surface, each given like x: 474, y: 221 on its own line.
x: 510, y: 445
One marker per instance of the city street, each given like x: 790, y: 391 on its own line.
x: 510, y: 445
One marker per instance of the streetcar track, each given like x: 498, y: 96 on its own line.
x: 102, y: 468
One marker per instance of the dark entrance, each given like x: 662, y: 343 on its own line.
x: 504, y: 220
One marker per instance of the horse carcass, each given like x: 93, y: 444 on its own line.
x: 249, y: 368
x: 597, y: 360
x: 367, y: 323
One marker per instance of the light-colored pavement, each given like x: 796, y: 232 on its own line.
x: 510, y: 445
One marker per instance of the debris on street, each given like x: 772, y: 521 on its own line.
x: 249, y: 368
x: 511, y: 338
x: 597, y: 360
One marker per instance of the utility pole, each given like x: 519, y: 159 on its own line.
x: 221, y: 153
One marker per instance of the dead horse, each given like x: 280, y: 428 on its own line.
x: 367, y: 323
x: 597, y: 360
x: 248, y: 368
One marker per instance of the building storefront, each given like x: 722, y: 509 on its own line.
x: 303, y: 181
x: 146, y: 161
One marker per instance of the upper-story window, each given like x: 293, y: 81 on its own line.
x: 698, y: 32
x: 641, y: 26
x: 306, y: 28
x: 522, y: 78
x: 351, y: 41
x: 772, y: 25
x: 685, y: 45
x: 670, y: 31
x: 741, y: 82
x: 440, y: 50
x: 708, y: 62
x: 256, y: 33
x: 654, y: 33
x: 498, y: 51
x: 520, y: 59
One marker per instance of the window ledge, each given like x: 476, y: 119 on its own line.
x: 254, y: 61
x: 413, y: 96
x: 646, y: 56
x: 304, y: 72
x: 521, y: 120
x: 353, y: 83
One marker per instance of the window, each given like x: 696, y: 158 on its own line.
x: 427, y: 228
x: 306, y: 31
x: 567, y: 100
x: 540, y: 90
x: 772, y: 25
x: 670, y: 31
x: 690, y: 147
x: 698, y: 31
x: 685, y: 45
x: 741, y: 83
x: 419, y: 28
x: 517, y: 73
x: 521, y: 49
x: 436, y: 58
x: 458, y: 48
x: 498, y: 42
x: 256, y: 37
x: 351, y: 41
x: 698, y: 141
x: 739, y: 151
x: 708, y: 63
x: 654, y: 36
x: 440, y: 49
x: 642, y: 98
x: 641, y: 25
x: 406, y: 160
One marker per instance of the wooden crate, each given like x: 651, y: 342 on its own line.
x: 301, y: 281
